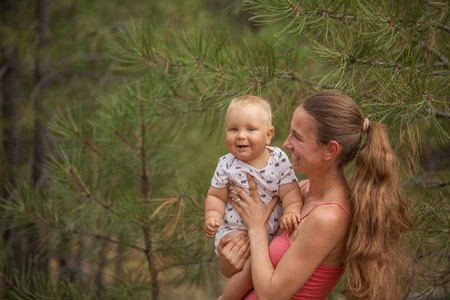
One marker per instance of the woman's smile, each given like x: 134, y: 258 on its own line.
x: 294, y: 157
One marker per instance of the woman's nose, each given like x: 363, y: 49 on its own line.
x: 287, y: 144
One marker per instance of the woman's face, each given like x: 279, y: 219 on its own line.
x: 301, y: 142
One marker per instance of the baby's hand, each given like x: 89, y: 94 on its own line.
x: 289, y: 221
x: 211, y: 226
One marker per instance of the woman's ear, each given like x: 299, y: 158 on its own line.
x: 270, y: 133
x: 331, y: 150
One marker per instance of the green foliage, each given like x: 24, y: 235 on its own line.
x: 111, y: 182
x: 137, y: 145
x: 27, y: 284
x: 430, y: 242
x: 391, y: 57
x: 110, y: 202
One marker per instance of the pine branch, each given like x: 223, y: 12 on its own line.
x: 163, y: 61
x: 287, y: 74
x: 429, y: 184
x: 84, y: 191
x: 437, y: 113
x: 16, y: 290
x: 290, y: 75
x: 7, y: 282
x: 91, y: 145
x: 166, y: 62
x: 146, y: 192
x: 133, y: 148
x: 187, y: 263
x: 293, y: 48
x: 440, y: 73
x: 321, y: 13
x: 445, y: 27
x: 124, y: 140
x: 173, y: 110
x: 146, y: 188
x: 441, y: 114
x: 130, y: 128
x: 435, y: 52
x: 352, y: 59
x: 327, y: 13
x: 151, y: 261
x: 95, y: 149
x: 79, y: 232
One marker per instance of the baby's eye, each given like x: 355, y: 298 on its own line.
x: 233, y: 129
x: 251, y: 129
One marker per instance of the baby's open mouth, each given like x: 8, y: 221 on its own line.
x: 242, y: 146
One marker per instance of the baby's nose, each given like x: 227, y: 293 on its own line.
x: 242, y: 135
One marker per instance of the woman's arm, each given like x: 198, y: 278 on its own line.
x: 319, y: 234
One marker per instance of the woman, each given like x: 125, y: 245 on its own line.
x: 356, y: 228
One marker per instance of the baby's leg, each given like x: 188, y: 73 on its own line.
x: 241, y: 282
x: 236, y: 233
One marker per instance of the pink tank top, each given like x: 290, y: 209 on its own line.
x: 321, y: 282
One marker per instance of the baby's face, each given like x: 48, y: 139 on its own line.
x: 247, y: 133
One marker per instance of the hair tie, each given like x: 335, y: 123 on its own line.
x: 365, y: 125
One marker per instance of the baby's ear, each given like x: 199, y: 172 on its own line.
x: 270, y: 134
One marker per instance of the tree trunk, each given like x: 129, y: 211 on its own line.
x: 41, y: 141
x: 10, y: 140
x: 41, y: 146
x: 99, y: 275
x: 10, y: 115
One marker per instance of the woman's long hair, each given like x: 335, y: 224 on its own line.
x: 374, y: 254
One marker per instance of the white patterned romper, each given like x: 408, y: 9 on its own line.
x: 278, y: 171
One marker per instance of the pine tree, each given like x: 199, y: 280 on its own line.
x: 85, y: 255
x: 390, y: 56
x: 130, y: 179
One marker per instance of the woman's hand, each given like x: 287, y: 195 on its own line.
x: 252, y: 209
x: 232, y: 254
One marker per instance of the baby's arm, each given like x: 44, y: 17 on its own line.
x: 214, y: 209
x: 239, y: 284
x: 292, y: 205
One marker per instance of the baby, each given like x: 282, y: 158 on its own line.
x: 249, y: 131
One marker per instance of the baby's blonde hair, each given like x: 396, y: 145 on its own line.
x: 248, y: 100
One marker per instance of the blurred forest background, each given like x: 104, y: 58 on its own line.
x: 112, y: 117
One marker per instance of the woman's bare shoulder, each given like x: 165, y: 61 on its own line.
x: 331, y: 218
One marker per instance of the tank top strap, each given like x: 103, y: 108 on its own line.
x: 327, y: 203
x: 304, y: 184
